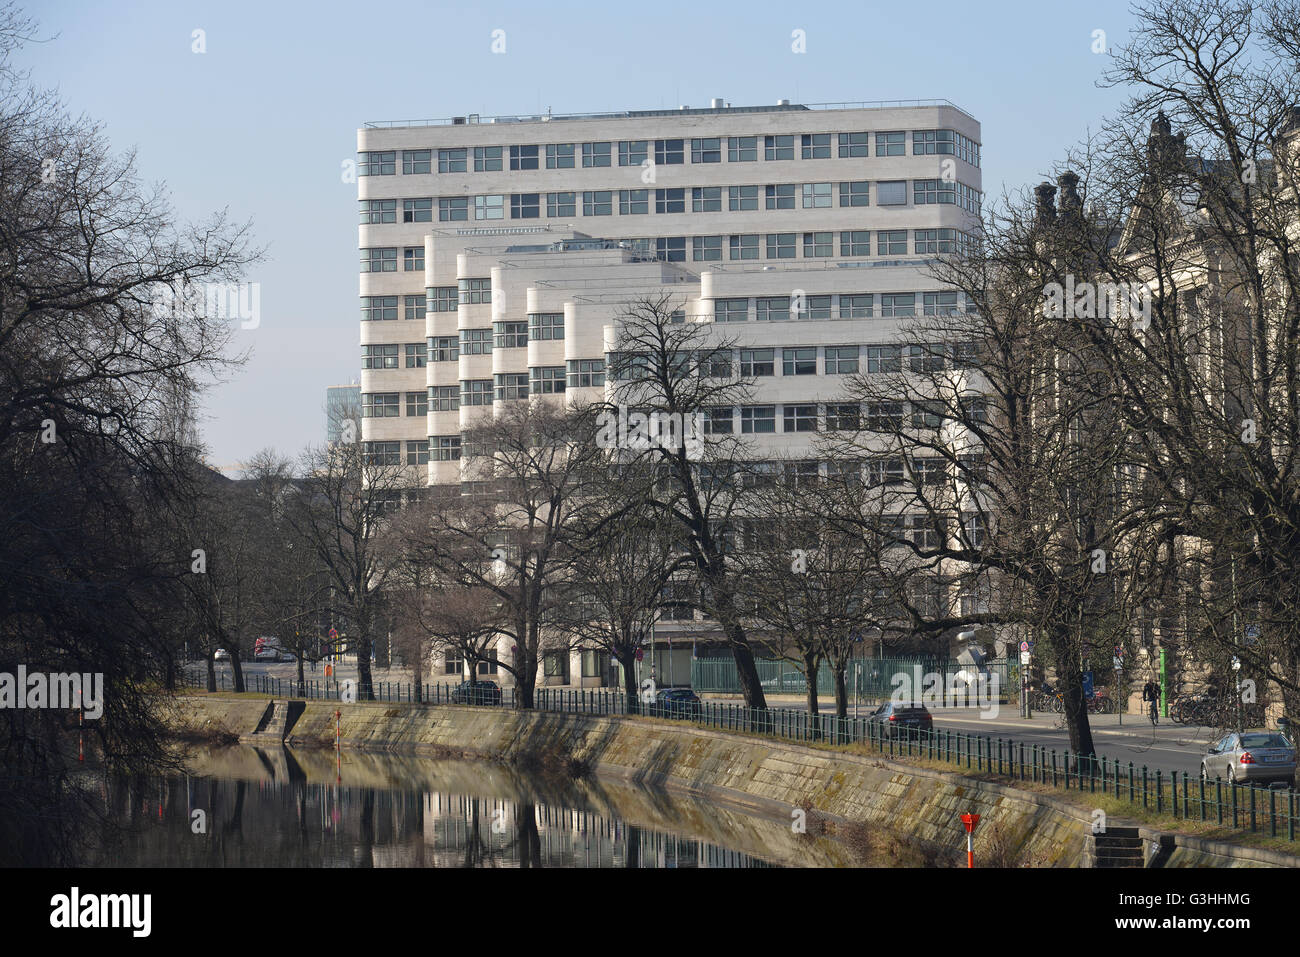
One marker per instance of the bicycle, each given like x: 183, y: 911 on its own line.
x: 1154, y: 712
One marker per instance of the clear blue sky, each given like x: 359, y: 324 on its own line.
x: 261, y: 121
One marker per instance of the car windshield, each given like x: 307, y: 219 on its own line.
x: 1264, y: 741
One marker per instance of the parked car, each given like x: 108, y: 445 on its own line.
x: 1251, y: 757
x: 221, y: 655
x: 902, y: 719
x: 268, y: 649
x: 481, y: 692
x: 676, y: 703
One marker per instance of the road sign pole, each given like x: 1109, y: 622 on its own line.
x: 969, y: 821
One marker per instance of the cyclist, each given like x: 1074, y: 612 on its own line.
x: 1151, y: 693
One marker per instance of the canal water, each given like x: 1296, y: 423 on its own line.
x: 244, y: 806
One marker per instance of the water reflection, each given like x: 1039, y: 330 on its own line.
x: 284, y: 819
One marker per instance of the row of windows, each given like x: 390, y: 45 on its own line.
x: 386, y: 356
x: 843, y: 306
x: 703, y: 199
x: 384, y: 259
x: 390, y: 452
x: 828, y: 417
x: 669, y: 152
x: 381, y: 308
x: 387, y: 405
x: 803, y: 360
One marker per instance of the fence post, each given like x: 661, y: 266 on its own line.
x: 1252, y: 789
x: 1233, y: 786
x: 1054, y: 767
x: 1272, y: 813
x: 1160, y: 795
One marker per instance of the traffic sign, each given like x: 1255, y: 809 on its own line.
x: 1119, y: 663
x: 334, y: 632
x: 1024, y: 657
x: 1024, y: 646
x: 640, y: 654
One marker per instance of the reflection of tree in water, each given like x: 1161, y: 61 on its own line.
x: 267, y: 823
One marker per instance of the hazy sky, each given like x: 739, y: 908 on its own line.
x: 260, y: 122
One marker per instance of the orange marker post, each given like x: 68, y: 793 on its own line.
x: 970, y: 820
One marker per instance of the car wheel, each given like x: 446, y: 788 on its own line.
x: 1205, y: 773
x: 1232, y: 777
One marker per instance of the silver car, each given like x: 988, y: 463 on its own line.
x: 1250, y: 757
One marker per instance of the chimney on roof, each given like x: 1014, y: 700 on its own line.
x: 716, y: 103
x: 1071, y: 204
x: 1045, y: 204
x: 782, y: 102
x: 1163, y: 148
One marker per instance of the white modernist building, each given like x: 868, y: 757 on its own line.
x: 496, y: 251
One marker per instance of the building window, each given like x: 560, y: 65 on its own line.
x: 855, y: 242
x: 800, y: 418
x: 780, y: 245
x: 936, y: 240
x: 546, y: 380
x: 487, y: 159
x: 780, y: 196
x: 523, y: 157
x: 891, y: 193
x: 897, y: 304
x: 778, y: 147
x: 742, y: 197
x: 925, y: 357
x: 417, y: 403
x: 816, y: 195
x: 745, y: 246
x: 383, y: 163
x: 816, y: 146
x: 841, y: 360
x: 856, y: 307
x: 555, y: 664
x: 671, y: 249
x: 742, y: 149
x: 382, y: 453
x: 509, y: 335
x: 801, y: 361
x: 855, y: 193
x: 444, y: 448
x: 560, y: 156
x: 884, y: 358
x: 452, y: 662
x: 510, y: 385
x: 379, y: 260
x: 442, y: 348
x: 891, y: 242
x: 706, y: 248
x: 598, y: 202
x: 669, y: 152
x: 490, y: 207
x: 843, y: 417
x: 475, y: 392
x: 475, y: 291
x: 706, y: 150
x: 561, y: 204
x: 451, y: 161
x: 586, y: 373
x: 818, y: 244
x: 926, y: 415
x: 376, y: 308
x: 416, y: 355
x: 939, y: 303
x: 714, y: 364
x: 453, y: 209
x: 670, y: 200
x: 929, y: 191
x: 891, y: 144
x: 417, y: 451
x: 545, y: 326
x: 945, y: 142
x: 730, y: 310
x: 417, y: 210
x: 595, y: 154
x: 380, y: 405
x: 382, y: 356
x: 719, y: 421
x: 413, y: 259
x: 633, y: 202
x: 772, y: 308
x: 755, y: 363
x: 441, y: 298
x: 853, y: 144
x: 475, y: 342
x: 757, y: 419
x: 375, y: 211
x: 706, y: 199
x: 444, y: 398
x: 811, y: 307
x: 525, y: 205
x: 884, y: 416
x: 633, y: 152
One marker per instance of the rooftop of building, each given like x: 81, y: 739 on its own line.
x: 720, y: 108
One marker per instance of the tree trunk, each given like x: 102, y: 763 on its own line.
x: 750, y: 685
x: 237, y: 668
x: 629, y: 682
x: 212, y: 673
x: 301, y: 683
x: 1070, y: 677
x: 838, y: 669
x: 810, y: 682
x: 365, y: 683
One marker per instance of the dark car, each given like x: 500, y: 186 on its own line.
x: 480, y: 692
x: 900, y: 719
x: 676, y: 703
